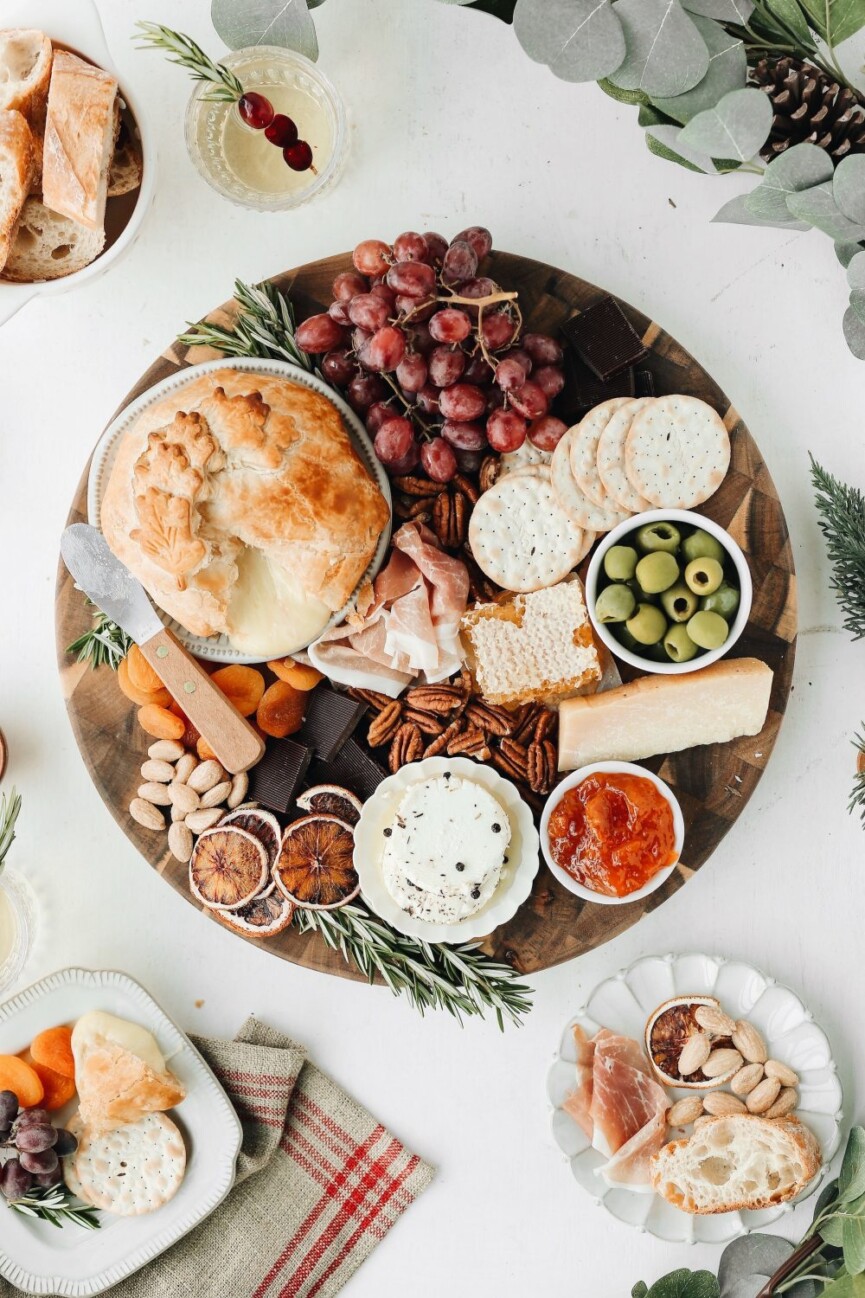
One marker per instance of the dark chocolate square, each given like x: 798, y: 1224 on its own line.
x: 645, y: 383
x: 583, y: 390
x: 602, y: 337
x: 329, y: 721
x: 276, y: 780
x: 352, y: 767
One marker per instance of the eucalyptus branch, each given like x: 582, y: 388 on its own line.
x: 189, y: 55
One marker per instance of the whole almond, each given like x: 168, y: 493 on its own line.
x: 686, y: 1111
x: 746, y: 1079
x: 206, y: 775
x: 694, y: 1055
x: 763, y: 1096
x: 785, y: 1074
x: 185, y: 766
x: 720, y: 1103
x: 239, y: 786
x: 177, y: 813
x: 786, y: 1102
x: 182, y: 797
x: 146, y: 814
x: 161, y: 772
x: 155, y: 793
x: 204, y: 818
x: 721, y: 1062
x: 714, y: 1020
x: 166, y: 750
x: 180, y: 841
x: 749, y: 1043
x: 217, y: 795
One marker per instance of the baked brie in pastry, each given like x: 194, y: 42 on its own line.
x: 241, y: 505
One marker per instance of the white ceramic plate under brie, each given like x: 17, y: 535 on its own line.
x: 219, y: 648
x: 36, y: 1256
x: 623, y: 1003
x: 514, y: 885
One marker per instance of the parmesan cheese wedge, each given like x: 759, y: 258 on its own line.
x: 664, y: 714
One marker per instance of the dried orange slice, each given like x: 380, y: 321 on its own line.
x: 227, y: 868
x: 264, y: 916
x: 331, y: 800
x: 668, y: 1031
x: 263, y: 825
x: 315, y: 866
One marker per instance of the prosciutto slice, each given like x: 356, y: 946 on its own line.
x: 579, y: 1105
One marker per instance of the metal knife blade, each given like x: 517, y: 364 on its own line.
x: 108, y: 582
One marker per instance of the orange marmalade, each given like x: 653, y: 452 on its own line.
x: 612, y: 833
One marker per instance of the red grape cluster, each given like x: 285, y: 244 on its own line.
x: 258, y: 112
x: 433, y: 356
x: 38, y: 1145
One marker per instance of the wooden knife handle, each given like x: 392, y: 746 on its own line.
x: 232, y: 738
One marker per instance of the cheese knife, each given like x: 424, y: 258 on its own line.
x: 112, y: 588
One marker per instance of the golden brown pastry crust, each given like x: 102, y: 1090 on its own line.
x: 115, y: 1086
x: 233, y: 460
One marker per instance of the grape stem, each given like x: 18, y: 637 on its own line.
x: 409, y: 409
x: 481, y: 303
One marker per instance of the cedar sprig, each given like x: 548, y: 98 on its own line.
x: 104, y: 643
x: 461, y: 980
x: 9, y: 810
x: 842, y: 522
x: 189, y: 55
x: 56, y: 1205
x: 264, y: 326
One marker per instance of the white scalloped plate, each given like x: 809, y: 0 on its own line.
x: 517, y: 875
x: 36, y: 1256
x: 623, y: 1003
x: 218, y: 649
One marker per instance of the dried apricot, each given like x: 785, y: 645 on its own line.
x: 57, y: 1089
x: 296, y: 674
x: 281, y: 709
x: 23, y: 1080
x: 202, y: 747
x: 243, y: 686
x: 160, y: 722
x: 141, y: 674
x: 53, y: 1048
x: 190, y: 735
x: 142, y: 697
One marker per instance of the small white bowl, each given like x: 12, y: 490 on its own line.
x: 610, y: 768
x: 692, y: 519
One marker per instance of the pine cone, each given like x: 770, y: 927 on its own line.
x: 809, y: 107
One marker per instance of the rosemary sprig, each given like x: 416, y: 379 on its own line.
x: 8, y: 815
x: 857, y: 793
x: 264, y: 326
x: 226, y: 87
x: 842, y: 522
x: 461, y: 979
x: 55, y: 1204
x: 104, y: 643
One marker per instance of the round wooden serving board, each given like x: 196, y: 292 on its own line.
x: 713, y: 783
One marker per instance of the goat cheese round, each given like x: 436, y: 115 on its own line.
x: 445, y: 849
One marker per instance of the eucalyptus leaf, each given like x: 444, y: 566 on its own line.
x: 666, y: 55
x: 726, y: 11
x: 832, y: 1232
x: 737, y: 212
x: 728, y: 67
x: 849, y: 1286
x: 580, y: 40
x: 835, y: 20
x: 685, y: 1284
x: 631, y: 97
x: 851, y: 1178
x: 750, y: 1256
x: 824, y: 1198
x: 853, y: 1232
x: 663, y: 142
x: 748, y: 1287
x: 735, y: 128
x: 791, y: 16
x: 856, y: 271
x: 817, y: 206
x: 649, y: 115
x: 845, y: 252
x: 503, y: 9
x: 795, y: 169
x: 848, y: 188
x: 640, y: 1289
x: 265, y: 22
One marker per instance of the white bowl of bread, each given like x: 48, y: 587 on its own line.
x: 76, y: 157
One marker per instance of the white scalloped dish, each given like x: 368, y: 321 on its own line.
x: 36, y: 1256
x: 623, y: 1003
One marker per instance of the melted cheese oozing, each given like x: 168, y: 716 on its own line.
x: 270, y: 613
x: 98, y: 1026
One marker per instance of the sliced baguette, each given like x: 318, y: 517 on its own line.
x: 25, y: 73
x: 49, y: 246
x: 737, y: 1162
x: 80, y: 131
x: 17, y: 161
x: 127, y: 164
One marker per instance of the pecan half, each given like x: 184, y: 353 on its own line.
x: 488, y: 475
x: 461, y: 512
x: 525, y: 727
x: 426, y: 722
x: 372, y: 697
x: 440, y: 743
x: 488, y: 717
x: 443, y: 519
x: 506, y: 766
x: 407, y: 746
x: 434, y: 698
x: 545, y: 725
x: 385, y: 725
x: 516, y: 754
x: 413, y: 486
x: 467, y: 487
x: 471, y: 743
x: 541, y: 765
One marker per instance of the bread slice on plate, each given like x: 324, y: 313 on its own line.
x: 80, y: 131
x: 49, y: 246
x: 127, y: 164
x: 17, y: 161
x: 737, y: 1162
x: 25, y: 72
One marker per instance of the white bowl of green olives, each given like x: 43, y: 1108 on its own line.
x: 669, y: 591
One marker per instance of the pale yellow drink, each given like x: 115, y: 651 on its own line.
x: 259, y: 164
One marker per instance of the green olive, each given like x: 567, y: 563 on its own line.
x: 615, y: 603
x: 679, y: 645
x: 659, y: 536
x: 625, y: 638
x: 679, y: 603
x: 725, y: 600
x: 700, y: 545
x: 708, y: 630
x: 657, y: 571
x: 703, y: 576
x: 648, y: 624
x: 620, y: 562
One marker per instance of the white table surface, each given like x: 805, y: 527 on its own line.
x: 451, y: 124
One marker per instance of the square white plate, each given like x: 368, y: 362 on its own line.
x: 39, y: 1258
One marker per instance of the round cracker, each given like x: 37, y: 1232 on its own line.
x: 611, y: 458
x: 584, y: 449
x: 581, y: 511
x: 677, y: 452
x: 589, y: 539
x: 133, y: 1169
x: 525, y: 456
x: 520, y: 537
